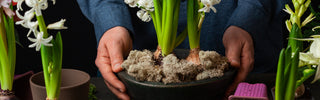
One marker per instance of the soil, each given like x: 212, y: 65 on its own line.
x: 141, y: 65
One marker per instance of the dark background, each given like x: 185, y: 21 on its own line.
x: 79, y: 43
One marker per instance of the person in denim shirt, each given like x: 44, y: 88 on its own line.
x: 248, y: 32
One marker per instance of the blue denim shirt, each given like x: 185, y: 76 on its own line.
x: 263, y: 19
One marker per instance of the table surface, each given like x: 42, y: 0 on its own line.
x: 103, y: 93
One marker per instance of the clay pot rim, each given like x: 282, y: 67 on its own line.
x: 87, y: 79
x: 124, y: 76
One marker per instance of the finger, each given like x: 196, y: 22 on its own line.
x: 115, y: 49
x: 103, y: 63
x: 240, y: 77
x: 233, y: 50
x: 247, y: 61
x: 109, y: 76
x: 119, y: 94
x: 247, y: 56
x: 231, y: 89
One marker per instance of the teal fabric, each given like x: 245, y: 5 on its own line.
x: 263, y: 19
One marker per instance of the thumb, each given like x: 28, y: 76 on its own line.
x: 233, y: 54
x: 116, y: 56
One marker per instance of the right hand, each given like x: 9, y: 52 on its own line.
x: 240, y: 53
x: 113, y: 46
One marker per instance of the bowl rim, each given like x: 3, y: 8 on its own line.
x: 124, y: 76
x: 86, y: 78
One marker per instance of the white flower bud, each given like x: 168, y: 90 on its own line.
x: 144, y: 15
x: 131, y: 3
x: 146, y: 4
x: 40, y: 40
x: 57, y: 25
x: 208, y: 4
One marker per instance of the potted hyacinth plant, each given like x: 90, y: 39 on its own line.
x: 51, y: 49
x: 47, y: 84
x: 287, y: 80
x: 7, y: 50
x: 162, y: 72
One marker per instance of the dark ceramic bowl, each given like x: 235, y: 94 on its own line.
x: 211, y: 89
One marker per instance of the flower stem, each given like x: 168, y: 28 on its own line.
x: 165, y: 19
x: 295, y: 33
x: 51, y: 62
x: 192, y: 24
x: 51, y: 65
x: 280, y: 77
x: 291, y: 85
x: 169, y: 33
x: 2, y: 28
x: 5, y: 75
x: 7, y: 59
x: 42, y: 26
x: 45, y: 55
x: 167, y: 38
x: 11, y: 45
x: 157, y: 19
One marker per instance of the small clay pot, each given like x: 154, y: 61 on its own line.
x: 299, y: 91
x: 74, y: 85
x: 7, y: 95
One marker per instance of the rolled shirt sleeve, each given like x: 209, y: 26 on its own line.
x: 251, y: 16
x: 106, y: 14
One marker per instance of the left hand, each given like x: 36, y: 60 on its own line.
x: 239, y: 50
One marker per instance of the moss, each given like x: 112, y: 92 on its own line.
x: 209, y: 74
x: 175, y: 70
x: 140, y: 65
x: 212, y: 59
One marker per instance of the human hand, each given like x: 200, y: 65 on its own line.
x: 113, y: 46
x: 239, y: 50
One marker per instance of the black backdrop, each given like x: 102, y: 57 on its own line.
x: 79, y: 43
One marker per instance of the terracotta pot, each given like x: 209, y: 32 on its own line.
x: 301, y: 93
x: 7, y: 95
x: 74, y: 85
x: 21, y: 87
x: 194, y: 90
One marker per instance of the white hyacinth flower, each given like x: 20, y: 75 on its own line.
x: 208, y: 4
x: 37, y: 5
x: 54, y: 2
x: 27, y: 23
x: 19, y: 3
x: 144, y: 15
x: 5, y: 4
x: 40, y: 40
x: 312, y: 57
x: 314, y: 29
x: 131, y: 3
x: 33, y: 27
x: 57, y: 25
x: 146, y: 4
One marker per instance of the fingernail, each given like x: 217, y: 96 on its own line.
x: 121, y: 90
x: 117, y: 66
x: 234, y: 61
